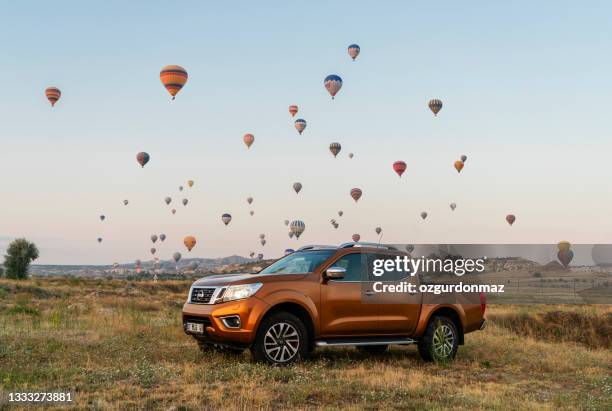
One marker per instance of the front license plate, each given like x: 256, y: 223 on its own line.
x: 197, y: 328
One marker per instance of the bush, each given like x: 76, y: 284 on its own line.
x: 19, y: 255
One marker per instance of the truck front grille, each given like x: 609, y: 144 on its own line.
x: 201, y: 295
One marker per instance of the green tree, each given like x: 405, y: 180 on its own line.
x: 19, y: 255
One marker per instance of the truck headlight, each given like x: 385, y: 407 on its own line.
x: 238, y: 292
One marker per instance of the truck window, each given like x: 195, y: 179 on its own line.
x: 353, y: 265
x: 299, y: 262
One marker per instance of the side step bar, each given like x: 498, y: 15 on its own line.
x: 364, y: 341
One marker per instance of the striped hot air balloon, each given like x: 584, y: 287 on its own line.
x: 293, y: 109
x: 248, y: 139
x: 333, y: 84
x: 435, y: 106
x: 335, y: 148
x: 300, y: 125
x: 399, y: 167
x: 226, y: 218
x: 356, y: 237
x: 173, y: 78
x: 142, y: 158
x: 53, y: 94
x: 297, y: 227
x: 353, y: 51
x: 356, y: 194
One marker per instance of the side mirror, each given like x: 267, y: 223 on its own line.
x: 335, y: 273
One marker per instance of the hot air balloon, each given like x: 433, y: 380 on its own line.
x: 153, y: 238
x: 340, y: 213
x: 563, y: 245
x: 53, y: 94
x: 180, y: 188
x: 249, y: 200
x: 350, y: 155
x: 153, y: 250
x: 176, y: 257
x: 162, y: 237
x: 333, y: 84
x: 300, y: 125
x: 459, y: 165
x: 174, y: 211
x: 289, y: 251
x: 286, y: 222
x: 293, y: 109
x: 335, y: 148
x: 184, y: 201
x: 378, y: 230
x: 353, y: 51
x: 142, y: 158
x: 102, y: 217
x: 336, y: 225
x: 168, y: 200
x: 297, y: 187
x: 189, y: 242
x: 251, y: 212
x: 291, y: 234
x: 356, y: 238
x: 263, y: 241
x: 125, y: 202
x: 356, y: 194
x: 173, y: 78
x: 297, y: 227
x: 565, y: 256
x: 226, y: 218
x: 435, y: 105
x: 399, y: 167
x: 510, y: 218
x: 99, y: 239
x: 262, y: 236
x: 463, y: 158
x: 190, y: 183
x: 260, y: 256
x: 453, y: 206
x: 409, y: 248
x: 252, y: 254
x: 248, y: 139
x: 423, y: 215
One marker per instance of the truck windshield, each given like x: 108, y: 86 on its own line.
x: 299, y: 262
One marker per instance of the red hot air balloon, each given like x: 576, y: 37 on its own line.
x: 248, y: 139
x: 142, y: 158
x: 53, y: 94
x: 356, y: 194
x: 459, y: 165
x: 399, y: 167
x: 565, y: 256
x: 356, y: 237
x: 293, y: 109
x: 510, y: 218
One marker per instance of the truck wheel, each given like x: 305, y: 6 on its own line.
x: 281, y: 339
x: 372, y: 349
x: 440, y: 341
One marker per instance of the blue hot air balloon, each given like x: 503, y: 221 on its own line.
x: 353, y: 51
x: 333, y: 84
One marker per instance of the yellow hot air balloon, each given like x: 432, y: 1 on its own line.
x: 563, y: 245
x: 190, y: 183
x: 189, y: 242
x: 173, y: 78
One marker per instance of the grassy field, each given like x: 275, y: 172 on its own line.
x: 119, y: 345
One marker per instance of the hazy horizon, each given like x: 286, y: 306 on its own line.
x: 525, y: 89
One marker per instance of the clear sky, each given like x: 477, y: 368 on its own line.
x: 526, y: 90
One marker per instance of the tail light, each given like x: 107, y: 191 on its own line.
x: 483, y: 303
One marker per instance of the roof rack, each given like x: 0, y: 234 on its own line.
x: 373, y: 245
x: 317, y: 247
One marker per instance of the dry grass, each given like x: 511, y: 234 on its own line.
x: 119, y: 345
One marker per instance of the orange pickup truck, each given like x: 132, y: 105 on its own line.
x: 323, y: 296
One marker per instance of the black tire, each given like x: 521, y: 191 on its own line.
x: 440, y: 340
x: 281, y: 339
x: 373, y: 349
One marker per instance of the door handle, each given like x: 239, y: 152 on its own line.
x: 369, y: 292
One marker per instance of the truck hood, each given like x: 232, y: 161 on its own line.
x: 244, y: 278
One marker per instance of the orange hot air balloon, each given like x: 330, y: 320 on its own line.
x: 459, y: 165
x: 189, y: 242
x: 173, y: 78
x: 53, y: 94
x: 293, y: 109
x: 248, y: 139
